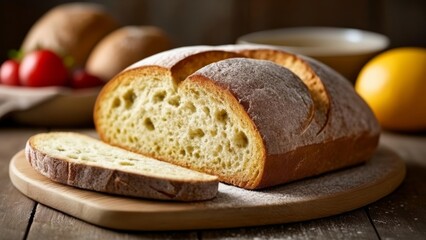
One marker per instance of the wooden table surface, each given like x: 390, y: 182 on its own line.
x: 400, y: 215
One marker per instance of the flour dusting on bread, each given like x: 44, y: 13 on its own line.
x: 253, y: 117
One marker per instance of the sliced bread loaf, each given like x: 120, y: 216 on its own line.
x: 253, y: 116
x: 78, y: 160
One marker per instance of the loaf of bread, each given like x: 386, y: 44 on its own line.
x: 71, y: 29
x: 84, y: 162
x: 253, y: 116
x: 123, y: 47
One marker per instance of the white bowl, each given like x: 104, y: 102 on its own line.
x: 343, y: 49
x: 48, y: 106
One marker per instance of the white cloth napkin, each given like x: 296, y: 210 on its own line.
x: 22, y: 98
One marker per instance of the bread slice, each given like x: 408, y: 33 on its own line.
x: 253, y: 116
x: 81, y: 161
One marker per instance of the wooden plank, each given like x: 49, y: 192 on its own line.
x: 411, y: 147
x: 13, y: 140
x: 278, y: 14
x: 192, y: 22
x: 15, y: 208
x: 51, y: 224
x: 352, y: 225
x: 404, y: 22
x: 402, y: 215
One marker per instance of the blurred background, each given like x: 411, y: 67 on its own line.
x: 191, y: 22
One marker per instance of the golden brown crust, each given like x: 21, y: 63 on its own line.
x: 334, y: 140
x: 123, y: 47
x: 298, y: 66
x: 316, y: 159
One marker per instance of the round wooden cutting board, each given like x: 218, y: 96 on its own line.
x: 321, y: 196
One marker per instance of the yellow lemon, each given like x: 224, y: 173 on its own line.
x: 394, y: 85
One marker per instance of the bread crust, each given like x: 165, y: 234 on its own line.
x: 313, y: 160
x: 71, y: 30
x: 341, y: 130
x: 117, y: 182
x: 291, y: 151
x: 299, y: 66
x: 123, y: 47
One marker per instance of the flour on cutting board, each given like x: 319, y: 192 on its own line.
x: 333, y: 183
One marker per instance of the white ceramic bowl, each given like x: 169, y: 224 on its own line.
x: 343, y: 49
x: 48, y: 106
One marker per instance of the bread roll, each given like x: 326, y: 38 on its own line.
x: 253, y: 116
x: 71, y: 29
x: 123, y: 47
x: 78, y: 160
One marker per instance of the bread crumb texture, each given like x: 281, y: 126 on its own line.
x: 79, y: 149
x: 187, y: 124
x: 220, y: 110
